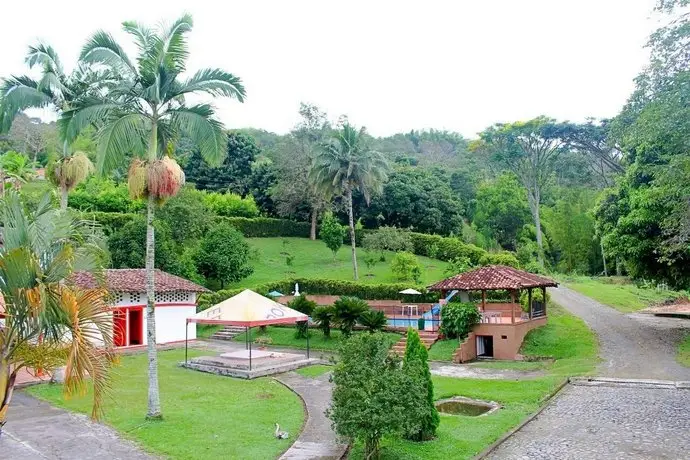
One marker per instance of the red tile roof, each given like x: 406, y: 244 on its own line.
x: 492, y: 277
x: 134, y: 280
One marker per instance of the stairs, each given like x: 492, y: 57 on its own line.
x: 228, y: 333
x: 428, y: 339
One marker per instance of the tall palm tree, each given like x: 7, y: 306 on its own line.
x: 344, y: 165
x: 144, y: 115
x: 59, y: 91
x: 47, y: 321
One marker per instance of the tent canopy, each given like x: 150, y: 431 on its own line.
x: 248, y: 309
x: 410, y: 291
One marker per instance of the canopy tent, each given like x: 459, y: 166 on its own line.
x: 248, y: 309
x: 275, y: 294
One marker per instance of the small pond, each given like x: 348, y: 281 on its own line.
x: 465, y: 406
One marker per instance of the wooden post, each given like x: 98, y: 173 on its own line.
x: 483, y: 300
x: 512, y: 307
x: 543, y: 297
x: 529, y: 301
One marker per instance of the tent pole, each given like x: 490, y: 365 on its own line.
x: 307, y: 338
x: 246, y: 338
x: 186, y: 333
x: 250, y: 350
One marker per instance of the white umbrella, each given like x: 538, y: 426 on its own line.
x: 410, y: 291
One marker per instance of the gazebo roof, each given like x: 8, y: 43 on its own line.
x: 493, y: 277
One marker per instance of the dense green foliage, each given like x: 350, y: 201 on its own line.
x: 347, y: 311
x: 387, y: 239
x: 223, y: 255
x: 323, y: 317
x: 458, y: 319
x: 373, y: 320
x: 267, y: 227
x: 420, y: 425
x: 406, y: 267
x: 501, y: 210
x: 331, y: 233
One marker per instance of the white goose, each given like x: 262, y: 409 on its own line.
x: 281, y: 434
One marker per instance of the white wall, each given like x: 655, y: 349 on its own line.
x: 170, y: 324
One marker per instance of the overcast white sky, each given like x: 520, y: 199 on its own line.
x: 389, y: 65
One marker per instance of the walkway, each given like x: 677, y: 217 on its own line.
x: 37, y: 430
x: 465, y: 371
x: 634, y: 345
x: 317, y: 440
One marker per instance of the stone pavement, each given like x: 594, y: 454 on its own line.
x: 634, y: 345
x: 317, y: 440
x: 37, y: 430
x: 611, y: 422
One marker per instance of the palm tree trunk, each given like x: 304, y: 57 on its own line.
x: 312, y: 231
x: 154, y: 400
x: 63, y: 197
x: 7, y: 379
x: 351, y: 219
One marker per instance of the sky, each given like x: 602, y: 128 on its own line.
x: 391, y: 66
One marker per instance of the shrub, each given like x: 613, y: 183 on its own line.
x: 111, y: 222
x: 458, y: 319
x: 373, y: 320
x: 264, y: 227
x: 186, y: 214
x: 231, y: 204
x: 224, y: 255
x: 367, y: 402
x: 388, y: 239
x: 404, y: 265
x: 103, y: 195
x: 302, y: 305
x: 500, y: 258
x: 422, y: 422
x: 331, y: 233
x: 445, y: 248
x: 323, y: 316
x: 458, y: 265
x: 347, y: 311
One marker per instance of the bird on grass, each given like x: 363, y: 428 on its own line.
x: 281, y: 434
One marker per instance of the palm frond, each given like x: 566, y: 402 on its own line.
x: 120, y: 136
x: 44, y: 55
x: 103, y: 49
x: 72, y: 122
x: 216, y: 82
x: 17, y: 94
x: 143, y: 35
x: 197, y: 123
x: 173, y: 46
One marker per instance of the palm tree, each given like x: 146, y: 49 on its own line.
x: 345, y: 165
x: 145, y: 114
x: 18, y: 167
x: 49, y: 322
x: 59, y: 91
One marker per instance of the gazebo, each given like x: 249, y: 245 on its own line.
x: 503, y: 325
x: 248, y: 309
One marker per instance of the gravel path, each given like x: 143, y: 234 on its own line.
x: 606, y: 422
x: 633, y: 345
x: 37, y: 430
x: 317, y: 440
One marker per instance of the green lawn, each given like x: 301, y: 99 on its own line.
x: 285, y: 337
x: 206, y: 416
x: 204, y: 331
x: 683, y: 355
x: 512, y: 365
x: 565, y: 338
x: 443, y: 350
x: 314, y: 371
x: 618, y: 292
x: 312, y: 259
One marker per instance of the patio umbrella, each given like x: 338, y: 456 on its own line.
x: 275, y: 294
x: 410, y: 291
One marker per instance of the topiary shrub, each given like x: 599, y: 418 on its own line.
x: 373, y: 320
x: 347, y: 311
x: 422, y: 422
x: 458, y: 319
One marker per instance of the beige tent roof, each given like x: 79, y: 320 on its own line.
x: 248, y: 309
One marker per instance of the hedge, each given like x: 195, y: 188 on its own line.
x: 263, y: 227
x: 445, y: 248
x: 111, y: 221
x: 318, y: 286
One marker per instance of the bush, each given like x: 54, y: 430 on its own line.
x: 347, y: 311
x: 373, y: 320
x: 302, y: 305
x: 231, y: 204
x: 405, y: 266
x: 500, y: 258
x: 331, y: 233
x: 264, y: 227
x: 186, y: 214
x: 388, y: 239
x: 224, y: 255
x: 458, y: 265
x: 111, y: 222
x: 103, y: 195
x: 323, y: 316
x: 536, y: 295
x: 458, y: 319
x: 445, y: 248
x: 422, y: 422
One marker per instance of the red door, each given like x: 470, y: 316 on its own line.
x: 136, y: 326
x: 120, y: 327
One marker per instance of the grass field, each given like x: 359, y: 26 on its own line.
x: 618, y: 292
x: 565, y: 338
x: 205, y: 415
x: 314, y: 371
x: 443, y: 350
x: 312, y: 259
x: 285, y: 337
x: 683, y: 355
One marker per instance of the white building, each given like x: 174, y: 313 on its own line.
x: 175, y: 302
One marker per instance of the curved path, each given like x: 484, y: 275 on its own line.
x: 633, y: 345
x: 317, y: 440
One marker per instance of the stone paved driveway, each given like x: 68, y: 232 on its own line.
x: 606, y: 422
x: 37, y: 430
